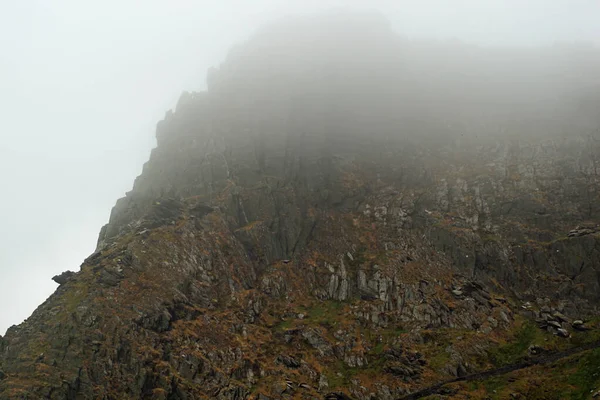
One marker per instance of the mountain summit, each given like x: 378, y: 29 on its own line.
x: 344, y: 214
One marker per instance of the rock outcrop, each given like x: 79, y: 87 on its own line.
x: 63, y: 278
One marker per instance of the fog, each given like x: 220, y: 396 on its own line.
x: 83, y: 85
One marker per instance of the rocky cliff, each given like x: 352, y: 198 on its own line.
x: 343, y: 214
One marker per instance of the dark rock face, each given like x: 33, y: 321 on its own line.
x: 583, y: 230
x: 63, y: 278
x: 331, y: 225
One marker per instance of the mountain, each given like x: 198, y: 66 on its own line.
x: 345, y: 214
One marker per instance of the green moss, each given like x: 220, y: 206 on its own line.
x: 284, y: 325
x: 516, y: 348
x: 585, y: 378
x: 340, y: 375
x: 325, y: 313
x: 494, y: 385
x: 491, y: 238
x: 568, y: 379
x: 378, y: 349
x: 335, y: 379
x: 436, y: 342
x: 579, y: 338
x: 438, y: 360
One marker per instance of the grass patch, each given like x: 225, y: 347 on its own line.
x: 585, y: 378
x: 378, y: 349
x: 325, y: 313
x: 516, y: 349
x: 340, y: 375
x: 568, y: 379
x: 284, y: 325
x: 494, y: 385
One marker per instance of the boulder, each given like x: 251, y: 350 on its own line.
x: 579, y: 325
x: 563, y: 333
x: 555, y: 324
x: 560, y: 317
x: 288, y: 361
x: 63, y: 278
x: 583, y: 230
x: 535, y: 350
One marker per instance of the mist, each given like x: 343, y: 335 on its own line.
x: 84, y: 85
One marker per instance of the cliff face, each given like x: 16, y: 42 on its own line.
x: 342, y: 213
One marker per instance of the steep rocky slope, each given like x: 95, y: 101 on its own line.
x: 343, y: 214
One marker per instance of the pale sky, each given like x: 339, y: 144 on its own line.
x: 83, y: 83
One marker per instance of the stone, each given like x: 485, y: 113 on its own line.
x: 535, y: 350
x: 583, y: 231
x: 579, y: 325
x: 279, y: 387
x: 461, y: 370
x: 545, y: 310
x: 318, y: 342
x: 504, y: 317
x: 560, y: 317
x: 563, y: 333
x: 555, y: 324
x: 527, y: 305
x: 288, y: 361
x: 64, y: 277
x: 547, y: 317
x: 323, y: 384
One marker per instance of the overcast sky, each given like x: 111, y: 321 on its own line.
x: 83, y: 83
